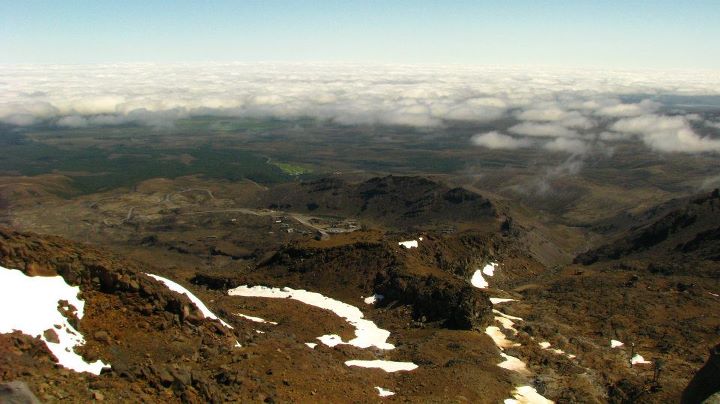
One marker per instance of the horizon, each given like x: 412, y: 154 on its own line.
x: 609, y: 35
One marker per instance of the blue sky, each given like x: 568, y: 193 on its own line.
x: 623, y: 34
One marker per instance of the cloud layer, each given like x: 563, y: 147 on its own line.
x: 558, y: 110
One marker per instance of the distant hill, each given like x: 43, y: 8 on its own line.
x: 677, y: 232
x: 400, y: 201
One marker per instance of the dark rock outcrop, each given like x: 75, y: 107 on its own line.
x: 706, y: 381
x: 433, y: 291
x: 690, y: 231
x: 17, y: 392
x: 398, y: 201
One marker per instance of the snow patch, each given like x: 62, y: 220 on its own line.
x: 615, y: 343
x: 499, y: 338
x: 175, y: 287
x: 373, y: 299
x: 331, y: 340
x: 490, y: 268
x: 312, y: 345
x: 500, y: 313
x: 384, y: 393
x: 30, y: 305
x: 478, y: 281
x: 255, y: 319
x: 498, y: 300
x: 527, y: 395
x: 514, y: 364
x: 546, y: 345
x: 409, y: 244
x: 506, y: 323
x: 388, y: 366
x: 367, y: 334
x: 639, y: 360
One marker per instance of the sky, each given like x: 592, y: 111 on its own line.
x: 654, y: 34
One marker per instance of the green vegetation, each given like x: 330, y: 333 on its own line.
x: 95, y: 169
x: 292, y: 169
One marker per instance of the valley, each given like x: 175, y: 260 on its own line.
x: 226, y: 211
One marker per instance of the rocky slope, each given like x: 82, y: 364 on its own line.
x: 399, y: 201
x: 431, y: 279
x: 683, y: 233
x: 653, y: 285
x: 163, y: 347
x: 706, y: 381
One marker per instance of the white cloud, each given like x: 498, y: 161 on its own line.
x: 615, y: 136
x: 19, y: 119
x: 572, y: 146
x: 72, y: 121
x: 542, y: 130
x: 619, y: 109
x: 667, y: 133
x: 557, y: 114
x: 549, y: 113
x: 496, y: 140
x: 550, y: 103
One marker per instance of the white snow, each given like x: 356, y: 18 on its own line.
x: 639, y: 360
x: 409, y: 244
x: 260, y: 331
x: 384, y: 393
x: 506, y: 320
x: 513, y: 363
x: 615, y: 343
x: 237, y: 344
x: 367, y: 334
x: 312, y: 345
x: 498, y: 300
x: 500, y: 313
x: 478, y: 281
x: 506, y: 323
x: 198, y: 303
x: 30, y: 305
x: 255, y: 319
x: 490, y: 268
x: 526, y: 395
x: 714, y: 294
x: 546, y: 345
x: 388, y: 366
x: 499, y: 338
x: 373, y: 299
x: 331, y: 340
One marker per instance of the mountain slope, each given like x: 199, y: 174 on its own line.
x: 163, y: 346
x: 405, y: 202
x: 684, y: 232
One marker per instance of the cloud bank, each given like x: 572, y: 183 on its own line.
x: 560, y: 110
x: 496, y: 140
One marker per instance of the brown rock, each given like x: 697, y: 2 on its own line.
x: 51, y: 336
x: 102, y: 336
